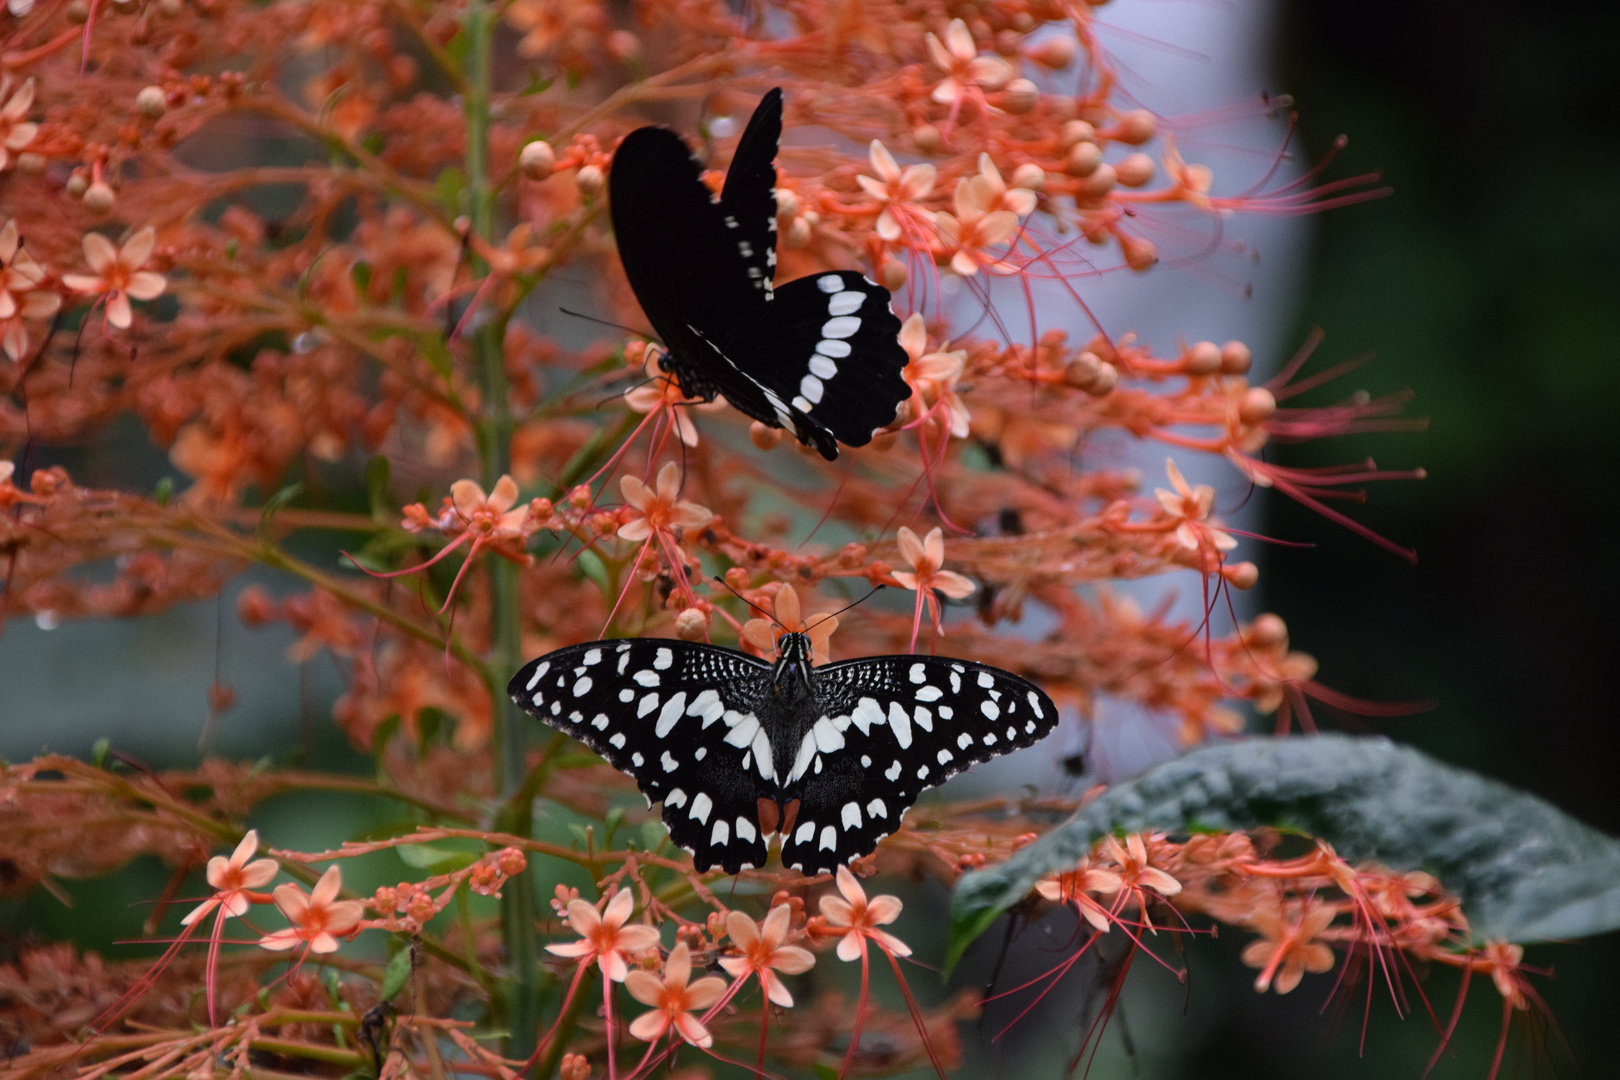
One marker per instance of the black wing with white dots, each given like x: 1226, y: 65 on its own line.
x: 819, y: 356
x: 678, y: 717
x: 896, y: 726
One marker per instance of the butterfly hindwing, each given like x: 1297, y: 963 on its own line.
x: 906, y: 723
x: 678, y: 717
x: 828, y: 346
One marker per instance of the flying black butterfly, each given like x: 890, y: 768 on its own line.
x: 741, y: 751
x: 819, y: 356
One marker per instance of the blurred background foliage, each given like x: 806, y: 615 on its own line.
x: 1489, y: 285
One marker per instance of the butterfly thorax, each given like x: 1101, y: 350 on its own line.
x: 792, y: 696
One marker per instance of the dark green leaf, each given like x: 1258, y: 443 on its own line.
x: 360, y: 274
x: 377, y: 476
x: 536, y: 84
x: 449, y: 187
x: 1523, y: 869
x: 394, y: 976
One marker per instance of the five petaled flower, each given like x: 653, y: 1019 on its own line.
x: 657, y: 509
x: 966, y: 71
x: 932, y: 376
x: 859, y: 919
x: 318, y: 919
x: 973, y: 230
x: 603, y: 937
x: 763, y: 634
x: 1287, y: 948
x: 925, y: 576
x: 232, y: 878
x: 897, y: 190
x: 19, y: 300
x: 763, y: 953
x: 1192, y: 505
x: 1072, y: 888
x: 118, y: 276
x: 673, y: 1001
x: 15, y: 132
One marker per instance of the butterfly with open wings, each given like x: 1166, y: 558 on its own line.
x: 819, y: 356
x: 742, y: 752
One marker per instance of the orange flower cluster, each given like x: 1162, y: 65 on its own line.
x: 313, y: 251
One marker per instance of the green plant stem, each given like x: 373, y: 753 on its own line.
x: 494, y: 430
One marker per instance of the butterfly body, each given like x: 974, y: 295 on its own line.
x: 819, y: 356
x: 742, y: 752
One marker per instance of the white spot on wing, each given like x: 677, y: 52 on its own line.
x: 929, y: 693
x: 668, y: 762
x: 851, y: 815
x: 830, y: 283
x: 833, y: 348
x: 593, y: 657
x: 842, y: 326
x: 892, y: 773
x: 900, y: 724
x: 670, y: 714
x: 646, y: 705
x: 746, y: 831
x: 845, y: 303
x: 827, y: 737
x: 918, y: 673
x: 700, y: 808
x: 875, y: 808
x: 990, y: 709
x: 539, y: 673
x: 618, y: 740
x: 675, y: 799
x: 829, y: 839
x: 663, y: 658
x: 986, y: 680
x: 811, y: 388
x: 924, y: 718
x: 822, y: 367
x: 806, y: 833
x: 721, y: 834
x: 644, y: 677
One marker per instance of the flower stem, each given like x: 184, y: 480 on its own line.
x: 509, y: 733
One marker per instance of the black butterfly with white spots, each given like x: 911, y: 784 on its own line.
x: 819, y: 356
x: 741, y: 751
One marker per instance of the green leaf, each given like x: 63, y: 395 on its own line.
x: 449, y: 187
x: 1523, y: 869
x: 360, y: 274
x: 536, y: 84
x: 164, y: 491
x: 433, y: 350
x: 272, y: 505
x: 377, y: 476
x: 590, y: 564
x: 394, y: 976
x: 434, y: 858
x: 98, y: 753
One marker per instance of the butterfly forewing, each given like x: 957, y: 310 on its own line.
x: 748, y: 199
x: 906, y: 723
x: 678, y: 717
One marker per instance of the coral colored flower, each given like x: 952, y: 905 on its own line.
x: 932, y: 376
x: 986, y: 191
x: 926, y: 557
x: 663, y: 391
x: 1287, y: 948
x: 491, y: 518
x: 233, y: 877
x: 763, y: 953
x: 1135, y: 872
x: 603, y: 937
x: 762, y: 634
x: 1503, y: 960
x: 959, y: 57
x: 318, y: 919
x: 673, y: 1001
x: 898, y: 190
x: 1192, y: 505
x: 658, y: 510
x: 1191, y: 182
x: 1072, y: 888
x: 19, y: 300
x: 860, y: 918
x: 15, y: 132
x: 972, y: 231
x: 118, y: 276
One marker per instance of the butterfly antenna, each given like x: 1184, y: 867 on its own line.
x: 604, y: 322
x: 727, y: 585
x: 856, y: 603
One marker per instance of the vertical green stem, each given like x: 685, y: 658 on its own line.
x: 509, y: 733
